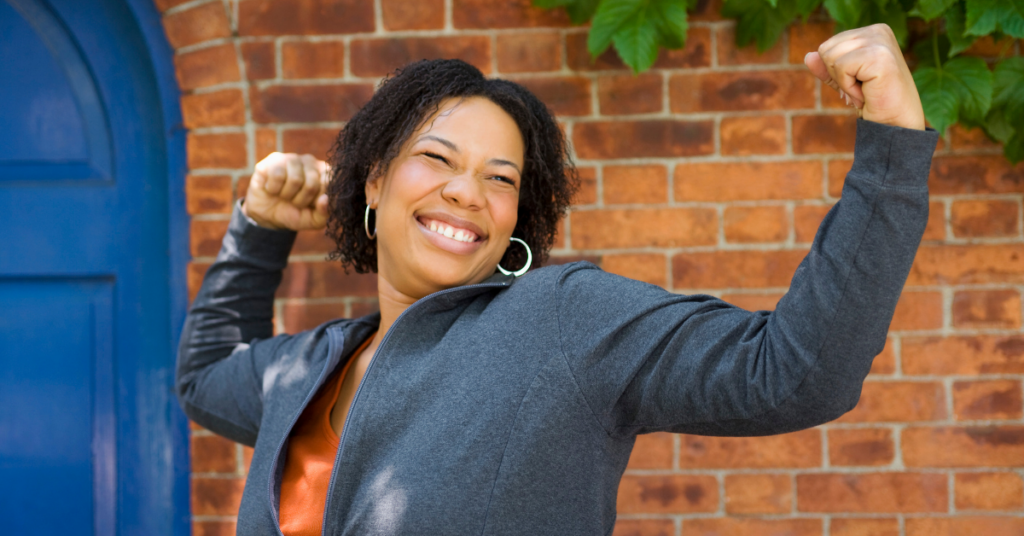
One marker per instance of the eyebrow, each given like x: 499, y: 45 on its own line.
x: 453, y: 147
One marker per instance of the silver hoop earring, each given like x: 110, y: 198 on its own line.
x: 366, y: 224
x: 529, y: 260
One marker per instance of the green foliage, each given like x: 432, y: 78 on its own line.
x: 954, y: 88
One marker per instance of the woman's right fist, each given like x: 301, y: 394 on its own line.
x: 288, y: 191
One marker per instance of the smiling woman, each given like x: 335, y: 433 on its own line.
x: 477, y: 402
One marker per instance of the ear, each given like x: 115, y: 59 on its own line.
x: 373, y: 187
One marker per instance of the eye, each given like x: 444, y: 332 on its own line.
x: 436, y: 157
x: 504, y: 179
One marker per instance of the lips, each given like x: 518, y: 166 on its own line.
x: 451, y: 233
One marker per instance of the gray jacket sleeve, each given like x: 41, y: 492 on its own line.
x: 648, y: 360
x: 227, y: 342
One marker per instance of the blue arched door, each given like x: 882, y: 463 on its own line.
x: 91, y: 440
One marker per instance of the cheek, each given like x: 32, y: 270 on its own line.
x: 504, y: 210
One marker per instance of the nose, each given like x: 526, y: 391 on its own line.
x: 465, y: 191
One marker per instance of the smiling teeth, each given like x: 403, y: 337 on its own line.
x: 449, y: 232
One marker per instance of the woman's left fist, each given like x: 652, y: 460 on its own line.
x: 866, y: 67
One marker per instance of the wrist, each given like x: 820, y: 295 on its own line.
x: 258, y: 220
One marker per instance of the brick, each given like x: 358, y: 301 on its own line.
x: 650, y: 227
x: 729, y: 53
x: 964, y: 265
x: 201, y: 23
x: 981, y: 309
x: 213, y: 528
x: 637, y: 139
x: 753, y: 135
x: 587, y: 193
x: 205, y: 237
x: 564, y: 96
x: 988, y: 47
x: 304, y: 17
x: 312, y: 242
x: 982, y: 174
x: 706, y: 11
x: 797, y: 449
x: 987, y: 399
x: 216, y: 496
x: 652, y: 451
x: 807, y: 219
x: 206, y: 194
x: 747, y: 181
x: 754, y: 302
x: 758, y: 494
x: 965, y: 526
x: 743, y: 90
x: 302, y: 316
x: 325, y: 280
x: 207, y: 67
x: 744, y: 225
x: 751, y: 527
x: 324, y: 59
x: 984, y: 354
x: 487, y: 14
x: 213, y: 454
x: 988, y: 491
x: 735, y: 269
x: 529, y: 52
x: 259, y: 60
x: 963, y: 446
x: 314, y: 141
x: 860, y: 446
x: 635, y: 184
x: 977, y: 218
x: 266, y: 142
x: 644, y: 527
x: 824, y: 133
x: 219, y: 108
x: 303, y: 104
x: 918, y: 310
x: 804, y: 38
x: 696, y: 53
x: 872, y: 492
x: 216, y: 150
x: 899, y: 402
x: 885, y: 362
x: 629, y: 94
x: 379, y: 57
x: 667, y: 494
x: 194, y: 277
x: 975, y: 138
x: 846, y: 526
x: 418, y: 15
x: 646, y: 267
x: 247, y: 453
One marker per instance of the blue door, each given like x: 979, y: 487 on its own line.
x: 91, y: 441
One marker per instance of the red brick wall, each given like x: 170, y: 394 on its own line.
x: 709, y: 173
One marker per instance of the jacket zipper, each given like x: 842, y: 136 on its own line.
x: 359, y: 389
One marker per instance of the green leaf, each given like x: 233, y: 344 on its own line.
x: 610, y: 16
x: 938, y: 97
x: 806, y: 7
x: 581, y: 11
x: 637, y: 42
x: 973, y: 81
x: 997, y: 127
x: 757, y: 21
x: 930, y: 9
x: 847, y: 13
x: 551, y: 4
x: 891, y: 14
x: 925, y: 51
x: 958, y: 41
x: 1008, y: 90
x: 669, y: 17
x: 1014, y: 148
x: 989, y: 16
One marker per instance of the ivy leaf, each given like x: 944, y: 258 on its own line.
x: 1014, y: 148
x: 958, y: 41
x: 637, y: 42
x: 581, y: 11
x: 930, y: 9
x: 850, y: 14
x: 893, y: 15
x: 985, y: 16
x: 758, y: 21
x: 961, y: 87
x: 1008, y: 90
x: 806, y: 7
x: 669, y: 17
x: 938, y: 97
x: 974, y: 85
x: 610, y: 16
x: 847, y: 13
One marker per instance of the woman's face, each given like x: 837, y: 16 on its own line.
x: 447, y: 205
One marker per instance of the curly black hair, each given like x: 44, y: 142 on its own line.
x: 413, y: 94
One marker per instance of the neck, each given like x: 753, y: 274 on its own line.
x: 392, y: 304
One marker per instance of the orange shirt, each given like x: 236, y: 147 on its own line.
x: 310, y: 458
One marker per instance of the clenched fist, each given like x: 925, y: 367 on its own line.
x: 288, y: 191
x: 866, y: 67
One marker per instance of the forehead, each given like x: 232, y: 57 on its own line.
x: 475, y: 124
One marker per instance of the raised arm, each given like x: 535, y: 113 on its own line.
x: 649, y: 360
x: 227, y: 343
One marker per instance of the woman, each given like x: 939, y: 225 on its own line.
x: 482, y: 401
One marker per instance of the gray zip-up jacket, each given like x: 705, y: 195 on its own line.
x: 511, y: 406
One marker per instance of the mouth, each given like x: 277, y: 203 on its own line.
x: 448, y: 230
x: 451, y: 234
